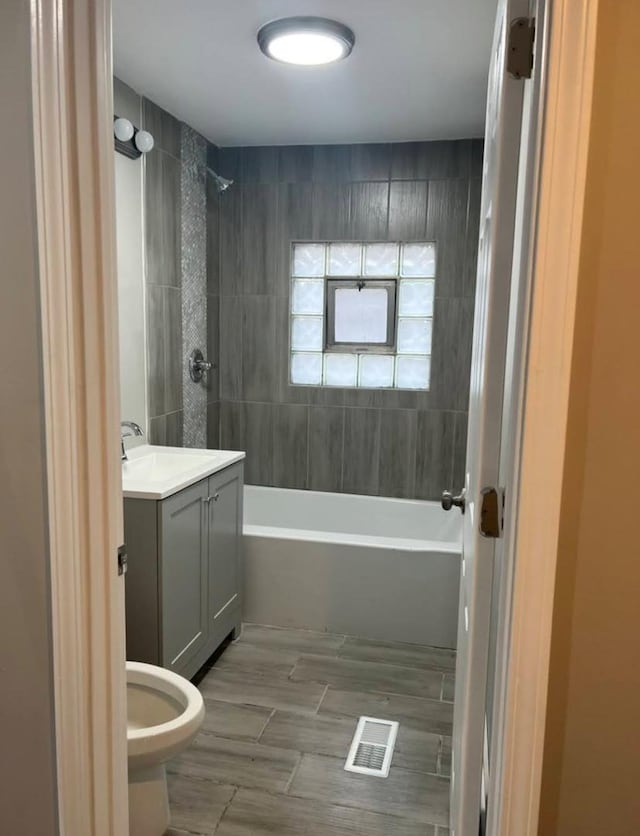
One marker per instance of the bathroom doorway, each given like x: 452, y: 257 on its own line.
x: 256, y: 238
x: 250, y: 364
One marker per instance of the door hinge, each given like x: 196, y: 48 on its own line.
x: 490, y: 513
x: 122, y: 559
x: 522, y: 32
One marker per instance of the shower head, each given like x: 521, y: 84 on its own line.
x: 222, y: 183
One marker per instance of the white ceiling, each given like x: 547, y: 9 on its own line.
x: 418, y: 69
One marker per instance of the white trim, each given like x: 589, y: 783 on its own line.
x: 72, y: 101
x: 513, y: 407
x: 568, y: 95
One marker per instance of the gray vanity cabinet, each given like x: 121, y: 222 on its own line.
x: 225, y: 523
x: 184, y: 579
x: 183, y: 546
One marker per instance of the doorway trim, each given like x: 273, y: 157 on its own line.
x: 72, y: 78
x: 74, y: 181
x: 554, y: 267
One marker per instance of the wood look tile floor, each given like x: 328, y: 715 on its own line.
x: 282, y: 707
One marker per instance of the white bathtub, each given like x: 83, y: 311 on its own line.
x: 366, y: 566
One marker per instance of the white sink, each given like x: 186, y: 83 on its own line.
x: 157, y: 472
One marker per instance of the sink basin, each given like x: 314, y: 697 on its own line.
x: 162, y: 464
x: 157, y: 472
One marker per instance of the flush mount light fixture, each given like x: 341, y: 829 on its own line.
x: 307, y: 41
x: 129, y: 140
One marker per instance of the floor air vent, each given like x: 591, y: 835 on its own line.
x: 372, y: 747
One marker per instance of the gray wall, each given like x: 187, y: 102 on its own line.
x: 131, y: 290
x: 213, y: 301
x: 390, y: 443
x: 163, y: 234
x: 177, y: 227
x: 27, y: 753
x: 220, y: 264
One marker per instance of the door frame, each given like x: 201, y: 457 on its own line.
x: 555, y: 238
x: 72, y: 82
x: 74, y: 181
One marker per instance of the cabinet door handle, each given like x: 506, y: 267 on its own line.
x: 213, y: 498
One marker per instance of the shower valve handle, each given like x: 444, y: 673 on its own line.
x: 198, y: 366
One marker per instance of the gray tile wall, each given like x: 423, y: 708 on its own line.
x: 213, y: 301
x: 181, y: 249
x: 380, y: 442
x: 163, y: 238
x: 391, y: 443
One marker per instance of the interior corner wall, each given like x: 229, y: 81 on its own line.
x: 130, y: 252
x: 592, y: 753
x: 386, y: 442
x: 178, y: 274
x: 28, y: 798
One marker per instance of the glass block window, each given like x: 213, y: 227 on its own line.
x: 362, y: 314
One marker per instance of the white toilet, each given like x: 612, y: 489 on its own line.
x: 164, y: 714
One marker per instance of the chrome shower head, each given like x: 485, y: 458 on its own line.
x: 222, y: 183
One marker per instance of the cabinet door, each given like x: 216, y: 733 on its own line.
x: 183, y: 558
x: 225, y: 529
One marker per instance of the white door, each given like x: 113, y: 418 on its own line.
x: 497, y: 221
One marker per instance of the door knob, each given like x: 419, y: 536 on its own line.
x: 449, y: 500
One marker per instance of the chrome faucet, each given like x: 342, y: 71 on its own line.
x: 128, y: 430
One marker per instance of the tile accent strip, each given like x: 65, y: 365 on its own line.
x: 194, y: 280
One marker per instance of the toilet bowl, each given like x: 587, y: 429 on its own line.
x: 164, y: 714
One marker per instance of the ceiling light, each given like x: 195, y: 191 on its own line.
x: 307, y: 41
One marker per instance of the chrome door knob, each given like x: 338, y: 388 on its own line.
x: 449, y: 500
